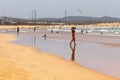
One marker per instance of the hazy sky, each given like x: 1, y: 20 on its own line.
x: 56, y: 8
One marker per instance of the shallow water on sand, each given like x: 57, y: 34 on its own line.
x: 102, y: 58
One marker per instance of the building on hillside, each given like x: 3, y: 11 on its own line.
x: 5, y: 20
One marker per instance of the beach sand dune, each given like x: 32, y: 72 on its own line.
x: 26, y: 63
x: 99, y: 25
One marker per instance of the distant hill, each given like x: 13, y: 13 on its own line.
x: 82, y: 19
x: 107, y: 18
x: 70, y: 20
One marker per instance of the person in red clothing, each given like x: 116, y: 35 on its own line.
x: 73, y: 35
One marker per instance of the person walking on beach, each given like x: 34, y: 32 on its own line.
x: 73, y: 35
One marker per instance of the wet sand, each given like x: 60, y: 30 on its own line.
x: 97, y: 52
x: 22, y: 62
x: 99, y: 39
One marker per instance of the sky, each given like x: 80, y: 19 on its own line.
x: 56, y: 8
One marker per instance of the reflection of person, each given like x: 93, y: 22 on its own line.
x: 73, y: 52
x: 73, y: 35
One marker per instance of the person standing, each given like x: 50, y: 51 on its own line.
x: 82, y: 31
x: 34, y: 29
x: 18, y: 30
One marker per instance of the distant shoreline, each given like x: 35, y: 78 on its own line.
x: 65, y: 35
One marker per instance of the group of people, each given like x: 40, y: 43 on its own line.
x: 84, y: 31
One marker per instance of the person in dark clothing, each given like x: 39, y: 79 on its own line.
x: 82, y: 31
x: 44, y: 36
x: 34, y: 29
x: 18, y: 30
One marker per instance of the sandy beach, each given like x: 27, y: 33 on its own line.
x: 59, y: 40
x: 27, y: 63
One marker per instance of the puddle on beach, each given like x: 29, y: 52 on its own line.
x: 101, y: 58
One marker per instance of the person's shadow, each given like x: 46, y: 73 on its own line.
x: 73, y: 51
